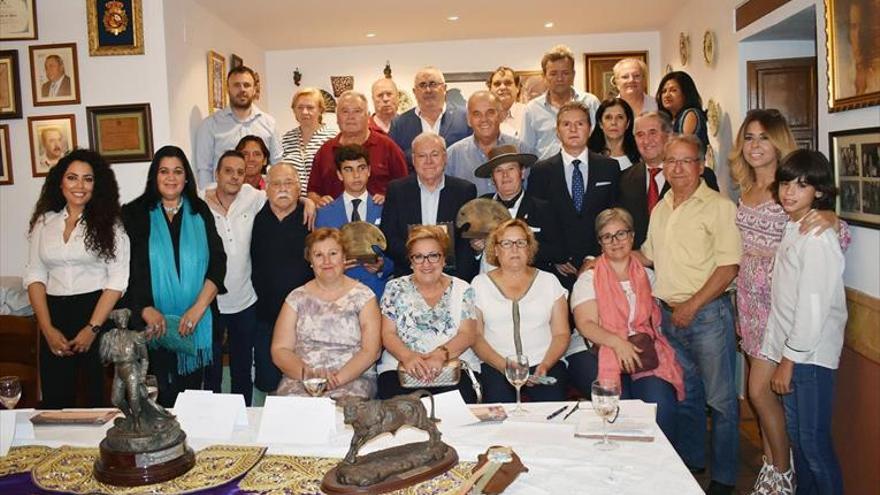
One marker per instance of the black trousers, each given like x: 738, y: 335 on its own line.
x: 58, y: 374
x: 389, y: 386
x: 163, y: 364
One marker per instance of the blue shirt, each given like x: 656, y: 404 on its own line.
x: 539, y: 123
x: 430, y: 201
x: 221, y: 131
x: 463, y: 157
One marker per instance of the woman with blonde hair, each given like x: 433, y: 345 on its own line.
x: 762, y: 141
x: 301, y: 143
x: 631, y: 80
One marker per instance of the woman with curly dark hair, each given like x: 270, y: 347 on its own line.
x: 177, y: 270
x: 77, y: 270
x: 613, y: 134
x: 677, y: 95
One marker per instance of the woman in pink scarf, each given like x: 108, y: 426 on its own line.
x: 613, y: 301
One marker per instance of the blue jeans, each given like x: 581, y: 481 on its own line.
x: 808, y: 421
x: 267, y: 374
x: 241, y: 328
x: 706, y: 351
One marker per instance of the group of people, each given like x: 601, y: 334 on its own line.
x: 617, y: 241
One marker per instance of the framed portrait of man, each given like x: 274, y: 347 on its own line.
x: 54, y: 74
x: 18, y: 20
x: 5, y: 157
x: 10, y: 89
x: 853, y: 53
x: 51, y: 137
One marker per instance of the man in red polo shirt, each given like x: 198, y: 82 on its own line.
x: 387, y: 161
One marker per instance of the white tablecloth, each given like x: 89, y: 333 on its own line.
x: 558, y: 462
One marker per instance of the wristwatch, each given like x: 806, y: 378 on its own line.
x: 94, y: 328
x: 445, y: 351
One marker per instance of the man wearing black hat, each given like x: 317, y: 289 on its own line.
x: 506, y: 168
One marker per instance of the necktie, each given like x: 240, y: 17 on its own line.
x: 577, y: 185
x: 355, y: 214
x: 653, y: 191
x: 509, y: 203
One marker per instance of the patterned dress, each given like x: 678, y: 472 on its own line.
x: 328, y: 334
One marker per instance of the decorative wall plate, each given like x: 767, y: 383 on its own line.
x: 709, y: 47
x: 684, y: 48
x: 713, y: 115
x: 668, y: 68
x: 710, y: 156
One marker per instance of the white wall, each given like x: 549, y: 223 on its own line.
x: 103, y: 81
x: 365, y: 63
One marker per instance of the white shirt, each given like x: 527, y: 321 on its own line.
x: 55, y: 86
x: 659, y: 178
x: 234, y: 230
x: 623, y: 161
x: 427, y: 126
x: 512, y: 124
x: 535, y: 309
x: 569, y: 168
x: 584, y: 290
x: 362, y: 207
x: 68, y: 269
x: 808, y: 309
x: 430, y: 201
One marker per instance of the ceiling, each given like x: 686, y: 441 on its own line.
x: 293, y: 24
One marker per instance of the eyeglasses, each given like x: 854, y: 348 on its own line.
x: 620, y: 236
x: 418, y: 259
x: 429, y: 85
x: 509, y: 243
x: 681, y: 161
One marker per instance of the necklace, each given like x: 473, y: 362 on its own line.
x: 172, y: 210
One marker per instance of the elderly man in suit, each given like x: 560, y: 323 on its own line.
x: 59, y: 82
x: 356, y: 204
x: 431, y: 114
x: 428, y: 197
x: 643, y: 185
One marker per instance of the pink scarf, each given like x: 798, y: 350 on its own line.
x: 614, y: 315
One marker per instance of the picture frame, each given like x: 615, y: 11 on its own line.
x: 235, y: 61
x: 852, y: 70
x: 855, y: 156
x: 51, y: 137
x: 60, y: 60
x: 216, y: 81
x: 460, y: 85
x: 5, y: 157
x: 10, y: 86
x: 116, y: 27
x: 599, y: 71
x: 18, y: 20
x: 121, y: 133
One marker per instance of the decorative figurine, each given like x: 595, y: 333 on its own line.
x: 396, y: 467
x: 387, y: 70
x: 147, y: 445
x: 297, y: 76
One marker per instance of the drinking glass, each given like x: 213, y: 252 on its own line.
x: 315, y: 381
x: 516, y: 370
x: 606, y: 399
x: 10, y: 391
x: 152, y: 384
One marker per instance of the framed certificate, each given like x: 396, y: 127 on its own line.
x: 121, y: 133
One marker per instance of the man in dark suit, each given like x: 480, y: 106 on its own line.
x: 506, y: 167
x: 58, y: 83
x: 356, y: 204
x: 578, y: 184
x: 637, y: 194
x: 431, y: 114
x: 427, y: 197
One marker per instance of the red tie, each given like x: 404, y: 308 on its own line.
x: 653, y: 191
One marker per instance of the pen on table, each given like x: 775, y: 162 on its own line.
x: 557, y: 412
x: 577, y: 405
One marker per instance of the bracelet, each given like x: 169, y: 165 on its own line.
x: 94, y: 328
x: 445, y: 352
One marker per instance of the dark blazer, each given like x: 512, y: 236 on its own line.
x: 403, y: 207
x: 536, y: 212
x: 547, y: 182
x: 634, y: 197
x: 406, y: 126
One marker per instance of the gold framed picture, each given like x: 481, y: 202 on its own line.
x: 51, y: 137
x: 852, y: 29
x: 54, y: 74
x: 5, y: 157
x: 600, y: 71
x: 216, y: 81
x: 18, y: 20
x: 121, y: 133
x: 116, y: 27
x: 10, y: 88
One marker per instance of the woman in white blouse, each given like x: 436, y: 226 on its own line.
x: 520, y: 310
x: 77, y: 270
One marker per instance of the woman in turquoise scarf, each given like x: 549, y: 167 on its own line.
x: 177, y: 270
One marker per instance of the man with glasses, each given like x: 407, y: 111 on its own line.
x: 431, y: 114
x: 695, y: 248
x: 539, y: 120
x: 428, y: 197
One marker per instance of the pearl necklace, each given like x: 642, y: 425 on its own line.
x: 172, y: 210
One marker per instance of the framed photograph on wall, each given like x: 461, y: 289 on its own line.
x: 216, y: 81
x: 10, y: 88
x: 853, y: 54
x: 855, y: 155
x: 116, y: 27
x: 5, y: 157
x: 599, y: 68
x: 51, y: 137
x: 531, y: 85
x: 54, y: 74
x: 18, y: 20
x: 121, y: 133
x: 235, y: 61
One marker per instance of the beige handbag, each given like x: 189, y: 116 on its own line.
x: 449, y: 375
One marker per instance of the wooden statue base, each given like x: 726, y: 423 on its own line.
x: 409, y: 477
x: 145, y: 468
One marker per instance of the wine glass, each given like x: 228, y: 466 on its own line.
x: 516, y: 370
x: 152, y: 384
x: 315, y: 380
x: 605, y: 399
x: 10, y: 391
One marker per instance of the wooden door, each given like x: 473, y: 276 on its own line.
x: 788, y: 85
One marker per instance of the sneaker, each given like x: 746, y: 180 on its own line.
x: 717, y: 488
x: 765, y: 485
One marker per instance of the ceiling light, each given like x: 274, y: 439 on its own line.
x: 548, y: 25
x: 371, y: 35
x: 452, y: 18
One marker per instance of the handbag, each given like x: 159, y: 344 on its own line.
x: 449, y: 375
x: 648, y: 353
